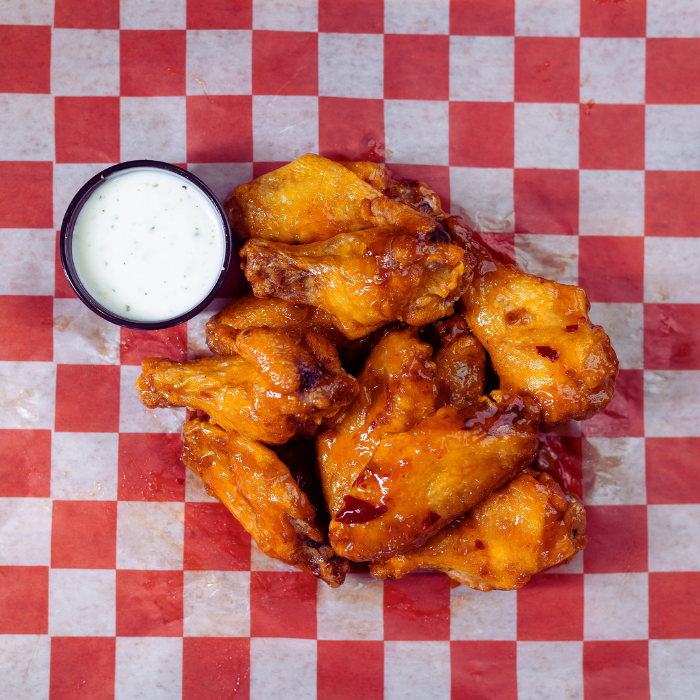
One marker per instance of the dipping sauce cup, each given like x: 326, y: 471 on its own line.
x: 145, y: 244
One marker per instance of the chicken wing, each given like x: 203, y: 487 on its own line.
x: 540, y: 340
x: 397, y: 389
x: 523, y: 528
x: 420, y: 480
x: 278, y: 385
x: 312, y: 199
x: 364, y: 279
x: 258, y: 489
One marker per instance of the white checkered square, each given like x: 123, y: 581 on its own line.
x: 68, y: 178
x: 673, y: 544
x: 84, y: 466
x: 624, y: 323
x: 150, y: 535
x: 553, y: 257
x: 25, y: 665
x: 35, y: 12
x: 85, y: 62
x: 611, y: 203
x: 27, y: 261
x: 153, y: 128
x: 674, y: 668
x: 195, y: 491
x: 148, y: 668
x: 27, y: 394
x: 484, y: 196
x: 673, y: 18
x: 672, y: 137
x: 416, y: 670
x: 481, y: 68
x: 417, y: 132
x: 82, y: 602
x: 282, y: 668
x: 613, y: 70
x: 360, y: 593
x: 351, y: 65
x: 222, y: 177
x: 550, y: 670
x: 27, y: 127
x: 153, y: 14
x: 671, y: 270
x: 547, y: 17
x: 475, y: 615
x: 286, y: 15
x: 216, y: 603
x: 259, y: 561
x: 670, y: 403
x: 546, y: 135
x: 417, y: 16
x: 284, y: 127
x: 222, y: 59
x: 614, y: 471
x: 25, y: 532
x: 616, y: 606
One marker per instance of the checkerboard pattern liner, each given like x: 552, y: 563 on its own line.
x: 569, y: 130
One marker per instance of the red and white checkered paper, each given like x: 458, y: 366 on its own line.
x: 569, y: 128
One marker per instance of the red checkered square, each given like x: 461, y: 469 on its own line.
x: 670, y: 462
x: 87, y: 129
x: 482, y: 17
x: 351, y: 16
x: 87, y: 398
x: 149, y: 603
x: 500, y: 245
x: 346, y: 667
x: 25, y: 57
x: 84, y: 535
x: 214, y: 539
x: 260, y: 169
x: 546, y: 201
x: 26, y: 193
x: 417, y: 608
x: 25, y: 463
x: 351, y: 129
x: 77, y: 14
x: 611, y: 137
x: 215, y: 668
x: 612, y: 18
x: 150, y: 467
x: 674, y: 605
x: 82, y: 667
x: 673, y: 71
x: 62, y: 288
x: 672, y: 336
x: 562, y: 458
x: 671, y: 203
x: 137, y: 345
x: 152, y: 62
x: 616, y: 670
x: 550, y: 608
x: 26, y: 328
x: 481, y: 134
x: 437, y: 177
x: 624, y: 416
x: 275, y: 73
x: 484, y: 670
x: 282, y: 604
x: 611, y: 268
x: 24, y: 600
x: 617, y: 539
x: 416, y: 67
x: 220, y: 14
x: 546, y: 69
x: 220, y: 129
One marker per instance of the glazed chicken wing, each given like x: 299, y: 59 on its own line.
x: 523, y: 528
x: 312, y: 199
x: 277, y: 385
x: 541, y: 341
x: 397, y: 389
x: 420, y: 480
x: 364, y: 279
x: 258, y: 489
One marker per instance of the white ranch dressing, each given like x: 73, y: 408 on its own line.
x: 148, y: 245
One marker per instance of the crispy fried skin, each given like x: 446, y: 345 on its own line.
x: 364, y: 279
x: 420, y: 480
x: 312, y: 199
x: 258, y: 489
x: 397, y: 389
x: 541, y: 341
x: 277, y: 386
x: 523, y: 528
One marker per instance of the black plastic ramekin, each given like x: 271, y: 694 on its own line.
x: 66, y: 245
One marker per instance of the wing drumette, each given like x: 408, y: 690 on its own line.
x: 259, y: 490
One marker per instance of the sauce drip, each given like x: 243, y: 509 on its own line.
x: 356, y: 511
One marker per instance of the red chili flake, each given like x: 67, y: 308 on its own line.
x: 356, y: 511
x: 547, y: 352
x: 572, y: 329
x: 478, y: 544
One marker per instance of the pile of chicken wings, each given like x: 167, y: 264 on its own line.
x: 385, y: 355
